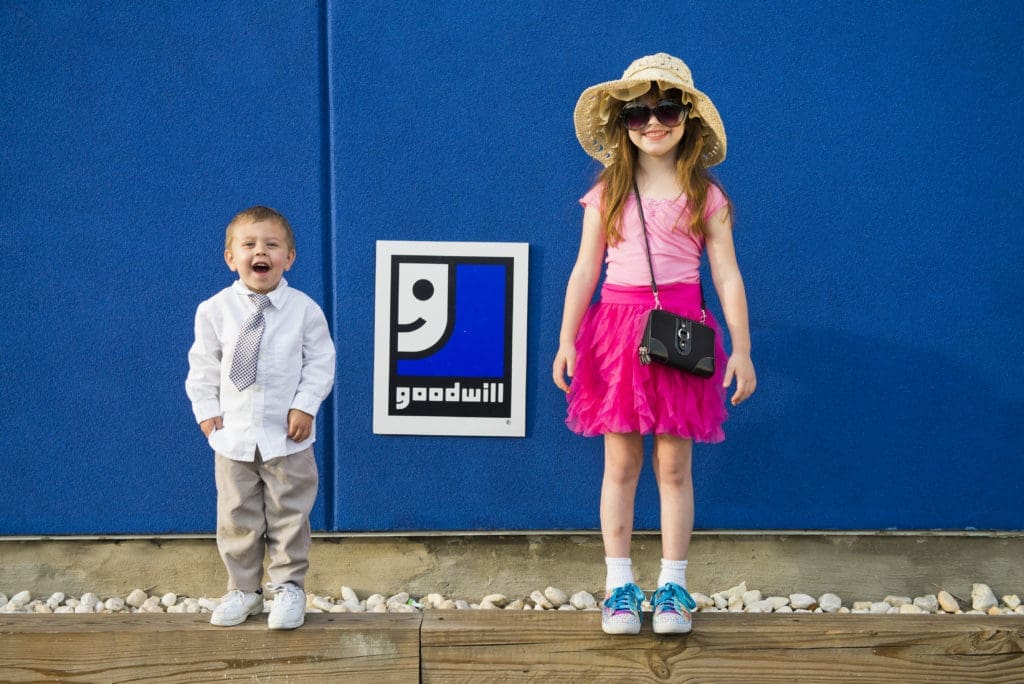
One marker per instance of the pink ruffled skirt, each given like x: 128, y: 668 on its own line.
x: 612, y: 392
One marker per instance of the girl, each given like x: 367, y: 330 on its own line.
x: 656, y: 136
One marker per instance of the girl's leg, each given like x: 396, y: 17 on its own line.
x: 623, y: 459
x: 672, y: 465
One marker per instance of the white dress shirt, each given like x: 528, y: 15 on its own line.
x: 295, y: 370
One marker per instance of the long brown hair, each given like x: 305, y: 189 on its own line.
x: 693, y: 177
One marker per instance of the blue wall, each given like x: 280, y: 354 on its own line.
x: 875, y: 152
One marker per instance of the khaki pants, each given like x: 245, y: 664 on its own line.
x: 265, y: 506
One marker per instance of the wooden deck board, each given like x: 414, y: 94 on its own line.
x: 186, y: 648
x: 554, y: 647
x: 511, y: 646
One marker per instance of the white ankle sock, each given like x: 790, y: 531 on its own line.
x: 620, y: 572
x: 672, y: 571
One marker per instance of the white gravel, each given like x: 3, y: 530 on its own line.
x: 737, y: 599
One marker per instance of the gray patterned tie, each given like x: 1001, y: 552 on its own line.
x: 247, y: 350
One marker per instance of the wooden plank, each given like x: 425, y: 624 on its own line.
x: 475, y: 646
x: 186, y: 648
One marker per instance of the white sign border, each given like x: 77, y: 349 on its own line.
x: 384, y: 424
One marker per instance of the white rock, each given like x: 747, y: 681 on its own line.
x: 448, y: 604
x: 21, y: 599
x: 373, y: 601
x: 736, y: 604
x: 702, y: 600
x: 401, y: 598
x: 379, y: 608
x: 721, y: 600
x: 583, y: 600
x: 802, y: 601
x: 830, y: 603
x: 63, y: 609
x: 929, y: 603
x: 152, y: 605
x: 947, y: 602
x: 208, y: 604
x: 567, y: 606
x: 114, y: 604
x: 136, y: 598
x: 736, y: 591
x: 897, y: 601
x: 168, y: 599
x: 177, y: 608
x: 557, y: 597
x: 762, y: 606
x: 1011, y: 601
x: 539, y: 599
x: 880, y: 608
x: 461, y: 604
x: 778, y: 601
x: 784, y: 609
x: 402, y: 608
x: 752, y: 596
x: 349, y: 596
x: 982, y: 597
x: 433, y: 600
x: 323, y: 603
x: 802, y: 610
x: 911, y: 609
x: 515, y: 605
x: 42, y: 608
x: 1019, y: 610
x: 55, y: 599
x: 494, y: 601
x: 995, y: 610
x: 339, y: 608
x: 862, y: 605
x: 82, y: 609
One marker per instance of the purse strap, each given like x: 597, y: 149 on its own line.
x: 650, y: 264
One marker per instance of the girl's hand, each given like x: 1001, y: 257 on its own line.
x: 742, y: 368
x: 300, y: 425
x: 565, y: 364
x: 211, y: 424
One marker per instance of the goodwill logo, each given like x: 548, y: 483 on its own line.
x: 450, y: 338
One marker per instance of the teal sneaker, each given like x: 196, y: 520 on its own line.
x: 672, y: 605
x: 620, y: 611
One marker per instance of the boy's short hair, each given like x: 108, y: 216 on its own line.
x: 256, y: 214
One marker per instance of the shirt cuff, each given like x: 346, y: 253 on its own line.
x: 206, y: 409
x: 306, y: 403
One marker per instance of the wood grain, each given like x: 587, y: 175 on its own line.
x: 186, y: 648
x: 566, y: 647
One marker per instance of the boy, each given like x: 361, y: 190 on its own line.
x: 261, y: 364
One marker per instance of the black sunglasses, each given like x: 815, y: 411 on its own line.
x: 636, y: 116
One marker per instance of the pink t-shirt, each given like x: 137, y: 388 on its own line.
x: 674, y: 250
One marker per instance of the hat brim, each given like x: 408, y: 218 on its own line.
x: 593, y: 115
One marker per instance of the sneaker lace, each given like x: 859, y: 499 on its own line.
x: 626, y: 597
x: 671, y: 596
x: 287, y: 594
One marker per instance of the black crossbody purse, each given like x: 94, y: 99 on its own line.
x: 673, y: 340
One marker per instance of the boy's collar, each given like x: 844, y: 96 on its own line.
x: 276, y: 295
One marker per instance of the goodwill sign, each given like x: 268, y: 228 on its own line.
x: 450, y: 338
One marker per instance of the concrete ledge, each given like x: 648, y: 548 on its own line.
x: 186, y: 648
x: 857, y: 566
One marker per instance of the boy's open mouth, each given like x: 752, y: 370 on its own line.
x: 261, y: 267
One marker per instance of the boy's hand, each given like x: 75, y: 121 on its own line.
x: 211, y: 424
x: 300, y: 425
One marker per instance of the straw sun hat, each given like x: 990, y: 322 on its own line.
x: 595, y: 111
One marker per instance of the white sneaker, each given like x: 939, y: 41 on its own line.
x: 235, y: 607
x: 289, y: 609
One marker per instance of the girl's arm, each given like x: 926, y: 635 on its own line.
x: 725, y: 273
x: 578, y: 293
